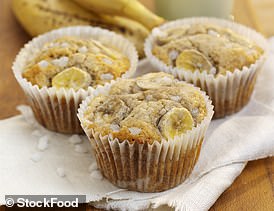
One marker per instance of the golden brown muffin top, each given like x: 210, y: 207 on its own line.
x: 149, y: 108
x: 205, y: 47
x: 72, y: 62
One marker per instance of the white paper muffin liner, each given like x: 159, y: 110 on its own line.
x: 229, y: 93
x: 145, y: 167
x: 56, y: 109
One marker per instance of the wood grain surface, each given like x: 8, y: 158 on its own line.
x: 252, y: 190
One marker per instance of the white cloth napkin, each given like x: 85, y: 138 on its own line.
x: 36, y: 161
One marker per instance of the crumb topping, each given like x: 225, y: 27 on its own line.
x: 205, y: 47
x: 150, y: 108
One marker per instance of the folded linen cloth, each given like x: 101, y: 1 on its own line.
x: 36, y: 161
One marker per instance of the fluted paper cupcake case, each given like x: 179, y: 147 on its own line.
x: 145, y: 167
x: 229, y: 93
x: 56, y: 109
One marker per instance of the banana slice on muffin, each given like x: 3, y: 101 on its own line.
x: 150, y: 81
x: 176, y: 122
x: 193, y: 60
x: 72, y: 78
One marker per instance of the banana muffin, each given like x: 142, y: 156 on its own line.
x: 59, y: 69
x: 221, y: 57
x: 72, y: 62
x: 141, y: 112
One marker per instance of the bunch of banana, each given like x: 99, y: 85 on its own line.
x: 40, y: 16
x: 132, y: 9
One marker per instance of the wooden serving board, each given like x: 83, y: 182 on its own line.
x: 252, y: 190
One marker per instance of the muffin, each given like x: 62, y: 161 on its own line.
x: 221, y: 57
x: 146, y: 132
x: 61, y: 68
